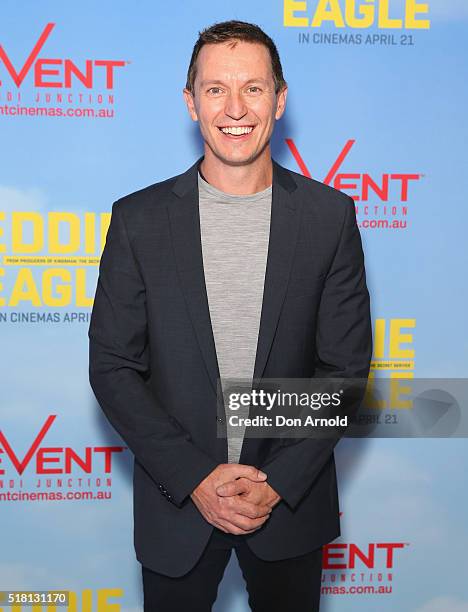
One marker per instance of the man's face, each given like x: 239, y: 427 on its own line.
x: 234, y: 100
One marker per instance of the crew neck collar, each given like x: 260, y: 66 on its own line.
x: 230, y: 196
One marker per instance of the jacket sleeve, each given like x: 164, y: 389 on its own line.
x: 119, y: 369
x: 343, y: 350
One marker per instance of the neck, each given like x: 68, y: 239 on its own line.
x: 238, y: 180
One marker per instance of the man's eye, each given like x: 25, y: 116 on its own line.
x: 255, y: 88
x: 214, y: 90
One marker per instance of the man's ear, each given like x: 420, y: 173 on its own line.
x: 189, y: 101
x: 281, y: 102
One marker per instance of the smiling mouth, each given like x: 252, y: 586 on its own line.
x: 237, y: 133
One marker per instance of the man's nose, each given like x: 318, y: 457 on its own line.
x: 235, y: 106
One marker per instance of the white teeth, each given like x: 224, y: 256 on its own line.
x: 236, y: 131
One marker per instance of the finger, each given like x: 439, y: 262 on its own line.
x: 241, y: 520
x: 234, y: 487
x: 248, y: 471
x: 247, y: 524
x: 212, y: 519
x: 228, y: 527
x: 254, y: 479
x: 249, y: 509
x: 234, y: 529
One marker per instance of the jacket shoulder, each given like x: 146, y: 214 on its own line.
x: 321, y: 193
x: 152, y: 195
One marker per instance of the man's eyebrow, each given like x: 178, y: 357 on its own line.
x: 219, y: 82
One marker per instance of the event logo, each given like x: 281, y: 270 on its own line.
x: 341, y: 556
x: 381, y: 199
x: 352, y: 569
x: 61, y: 87
x: 55, y: 473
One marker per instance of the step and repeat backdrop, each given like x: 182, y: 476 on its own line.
x: 91, y: 108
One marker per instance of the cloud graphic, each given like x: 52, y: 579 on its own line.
x: 405, y: 483
x: 391, y: 467
x: 450, y: 11
x: 17, y: 576
x: 12, y: 198
x: 444, y: 604
x: 34, y: 198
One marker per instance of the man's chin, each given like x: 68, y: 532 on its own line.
x: 237, y: 160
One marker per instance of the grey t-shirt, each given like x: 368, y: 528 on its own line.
x: 234, y: 234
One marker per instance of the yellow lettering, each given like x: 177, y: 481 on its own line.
x: 2, y: 245
x: 55, y: 219
x: 289, y: 8
x: 397, y: 390
x: 105, y: 222
x: 82, y: 300
x: 86, y: 601
x: 379, y: 339
x: 18, y: 218
x: 80, y: 235
x: 2, y: 299
x: 412, y: 8
x: 397, y: 338
x: 370, y: 399
x: 25, y: 289
x: 90, y: 232
x: 64, y: 291
x: 328, y: 10
x: 384, y: 20
x: 103, y: 604
x: 367, y: 12
x: 357, y: 14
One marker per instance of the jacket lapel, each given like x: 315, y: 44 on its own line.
x: 284, y: 228
x: 185, y: 229
x: 184, y: 221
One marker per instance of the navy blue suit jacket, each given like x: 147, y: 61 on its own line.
x: 154, y: 371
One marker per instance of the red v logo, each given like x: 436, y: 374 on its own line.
x: 333, y: 170
x: 20, y: 466
x: 18, y: 78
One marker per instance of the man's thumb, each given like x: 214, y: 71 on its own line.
x: 250, y: 472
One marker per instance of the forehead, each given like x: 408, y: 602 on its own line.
x: 242, y: 60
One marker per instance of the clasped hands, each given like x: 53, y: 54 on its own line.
x: 235, y: 498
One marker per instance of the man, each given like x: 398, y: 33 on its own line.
x: 236, y: 268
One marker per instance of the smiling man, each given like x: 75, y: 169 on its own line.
x: 236, y: 268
